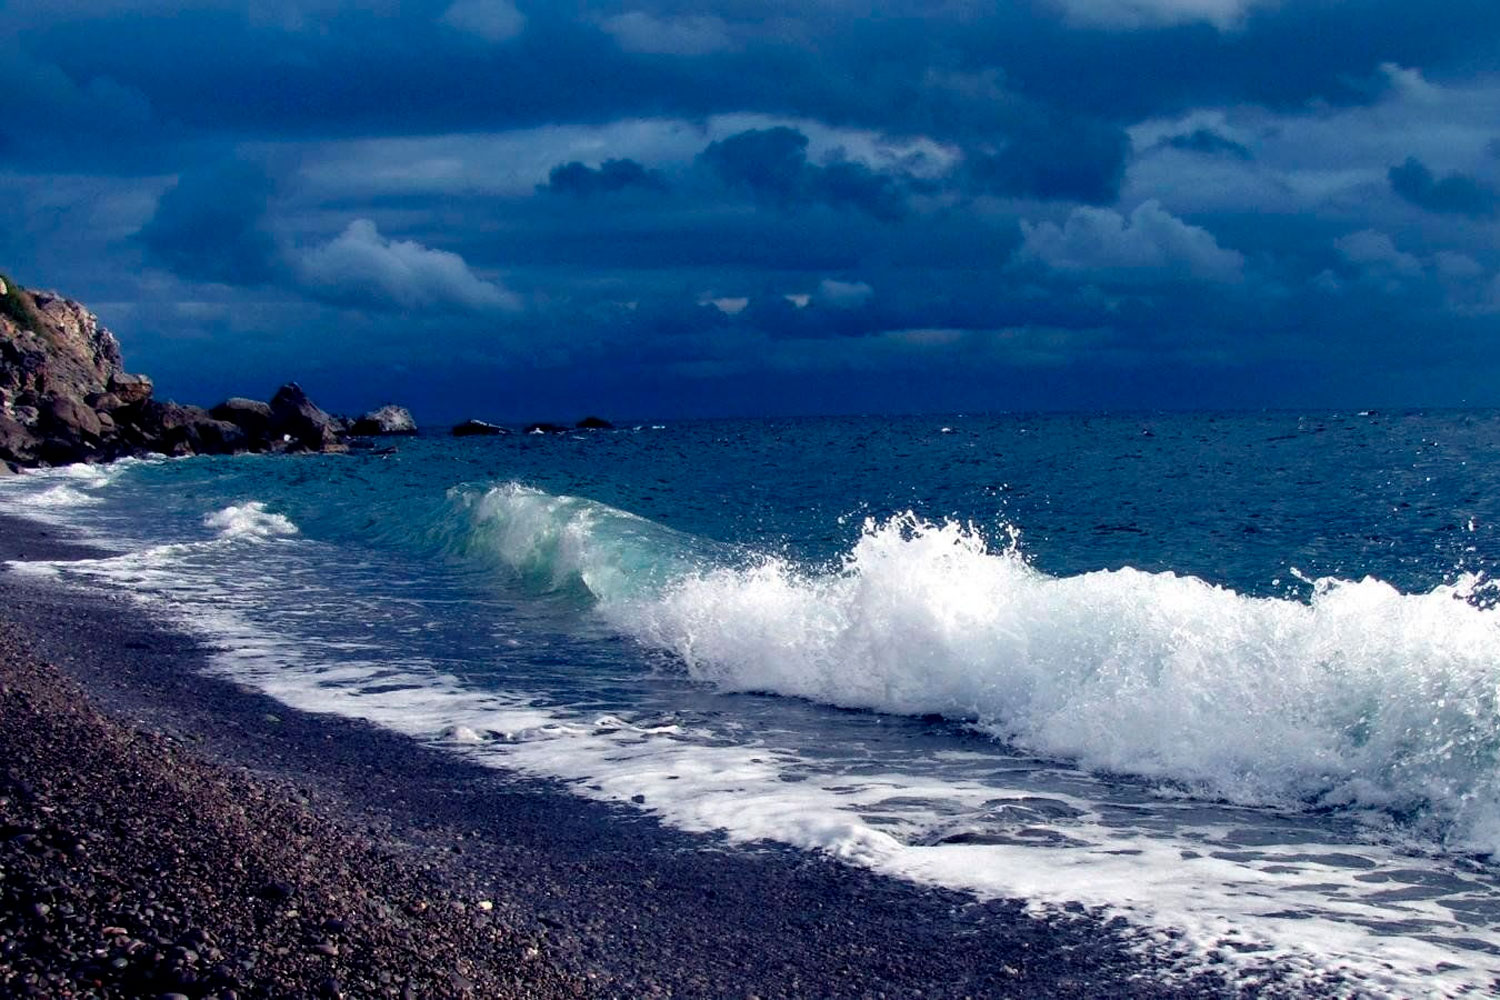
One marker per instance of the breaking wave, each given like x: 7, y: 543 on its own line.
x: 1360, y: 697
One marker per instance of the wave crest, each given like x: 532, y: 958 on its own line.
x: 249, y: 520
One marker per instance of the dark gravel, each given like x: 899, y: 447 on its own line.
x: 194, y: 809
x: 130, y: 867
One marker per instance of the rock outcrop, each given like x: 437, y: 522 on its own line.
x: 249, y: 415
x: 389, y: 419
x: 66, y: 397
x: 300, y: 422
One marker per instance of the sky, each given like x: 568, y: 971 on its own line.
x: 522, y: 211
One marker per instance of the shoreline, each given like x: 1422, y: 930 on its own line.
x: 598, y: 899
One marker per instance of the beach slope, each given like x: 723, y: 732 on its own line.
x: 164, y: 831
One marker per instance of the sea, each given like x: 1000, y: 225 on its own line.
x: 1232, y: 677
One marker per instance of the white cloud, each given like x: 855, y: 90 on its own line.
x: 686, y: 35
x: 492, y: 20
x: 843, y: 294
x: 1461, y: 281
x: 1457, y: 267
x: 1151, y: 244
x: 729, y: 305
x: 512, y: 163
x: 1377, y: 252
x: 1224, y: 14
x: 361, y: 265
x: 1329, y: 160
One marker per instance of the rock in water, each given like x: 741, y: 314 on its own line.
x: 298, y: 417
x: 470, y: 428
x: 389, y: 419
x: 595, y: 424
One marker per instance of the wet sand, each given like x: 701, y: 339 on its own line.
x: 351, y: 861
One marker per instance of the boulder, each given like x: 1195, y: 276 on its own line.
x: 595, y: 424
x: 249, y: 415
x: 470, y: 428
x: 103, y: 402
x: 296, y: 416
x: 174, y: 429
x: 389, y: 419
x: 69, y: 417
x: 17, y: 442
x: 220, y: 437
x: 131, y: 390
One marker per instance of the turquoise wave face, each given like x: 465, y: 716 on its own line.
x: 559, y: 542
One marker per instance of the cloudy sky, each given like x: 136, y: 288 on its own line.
x: 535, y: 210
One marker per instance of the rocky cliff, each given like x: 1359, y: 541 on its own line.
x: 66, y: 397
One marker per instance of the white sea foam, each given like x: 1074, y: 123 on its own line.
x: 63, y: 496
x: 1363, y: 697
x: 51, y: 495
x: 249, y: 520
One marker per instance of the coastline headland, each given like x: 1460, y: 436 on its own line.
x: 65, y: 396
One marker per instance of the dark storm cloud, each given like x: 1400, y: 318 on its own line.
x: 209, y: 226
x: 772, y: 166
x: 1455, y: 193
x: 667, y: 194
x: 582, y: 181
x: 1060, y: 159
x: 414, y: 68
x: 1209, y: 143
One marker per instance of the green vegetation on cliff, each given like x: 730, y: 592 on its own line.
x: 16, y: 302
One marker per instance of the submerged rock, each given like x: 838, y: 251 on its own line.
x: 545, y: 428
x: 388, y: 419
x: 471, y: 428
x: 595, y: 424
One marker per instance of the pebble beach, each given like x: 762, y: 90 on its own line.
x: 166, y: 833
